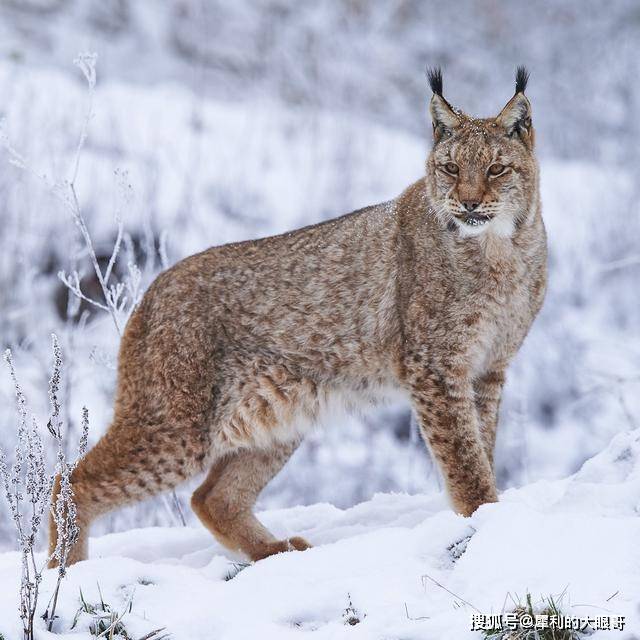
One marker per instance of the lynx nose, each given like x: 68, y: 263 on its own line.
x: 470, y: 205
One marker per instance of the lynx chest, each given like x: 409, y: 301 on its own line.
x: 503, y: 303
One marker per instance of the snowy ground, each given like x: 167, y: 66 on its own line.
x: 578, y: 536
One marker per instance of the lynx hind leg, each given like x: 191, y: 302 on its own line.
x: 129, y: 464
x: 225, y: 500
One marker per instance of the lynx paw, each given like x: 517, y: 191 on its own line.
x: 297, y: 544
x: 281, y: 546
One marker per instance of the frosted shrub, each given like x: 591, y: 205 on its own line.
x: 27, y: 489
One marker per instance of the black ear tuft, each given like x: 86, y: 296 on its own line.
x: 522, y: 77
x: 434, y: 74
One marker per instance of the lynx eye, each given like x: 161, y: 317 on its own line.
x: 452, y: 168
x: 496, y: 169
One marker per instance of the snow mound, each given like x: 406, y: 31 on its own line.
x: 392, y: 565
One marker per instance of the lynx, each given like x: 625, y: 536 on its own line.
x: 234, y: 352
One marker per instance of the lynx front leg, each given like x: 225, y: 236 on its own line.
x: 488, y: 390
x: 448, y: 421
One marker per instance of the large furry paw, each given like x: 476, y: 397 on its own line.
x: 281, y: 546
x: 297, y: 544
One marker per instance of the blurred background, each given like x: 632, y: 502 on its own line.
x: 219, y: 120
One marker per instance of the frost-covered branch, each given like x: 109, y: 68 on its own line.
x: 63, y: 509
x: 27, y: 489
x: 118, y: 298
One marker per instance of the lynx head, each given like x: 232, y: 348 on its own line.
x: 482, y: 173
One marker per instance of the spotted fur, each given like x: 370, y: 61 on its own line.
x: 234, y: 352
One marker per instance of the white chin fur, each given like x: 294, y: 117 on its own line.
x: 501, y: 226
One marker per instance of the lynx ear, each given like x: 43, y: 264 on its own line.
x: 443, y: 116
x: 516, y: 115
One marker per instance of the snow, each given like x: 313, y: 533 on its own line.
x: 410, y: 566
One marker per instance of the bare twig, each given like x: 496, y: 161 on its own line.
x: 406, y: 610
x: 428, y: 577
